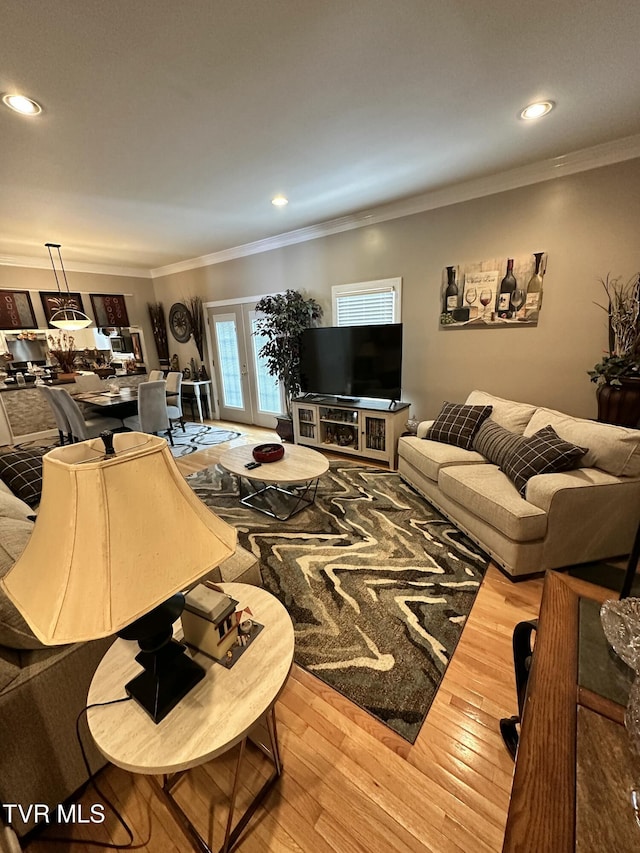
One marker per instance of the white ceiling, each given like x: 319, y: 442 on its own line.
x: 168, y: 126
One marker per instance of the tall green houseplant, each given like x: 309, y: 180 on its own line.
x: 281, y: 320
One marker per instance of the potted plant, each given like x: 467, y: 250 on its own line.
x: 281, y: 320
x: 618, y: 373
x: 62, y: 348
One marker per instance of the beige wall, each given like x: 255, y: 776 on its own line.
x: 141, y: 290
x: 588, y: 224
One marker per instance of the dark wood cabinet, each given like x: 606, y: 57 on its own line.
x: 574, y: 768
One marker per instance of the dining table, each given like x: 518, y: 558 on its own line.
x: 121, y: 404
x: 107, y: 399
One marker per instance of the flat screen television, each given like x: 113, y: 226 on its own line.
x: 352, y: 361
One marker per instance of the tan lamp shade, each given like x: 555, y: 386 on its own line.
x: 114, y: 537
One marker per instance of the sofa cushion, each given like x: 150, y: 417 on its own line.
x: 21, y: 470
x: 495, y: 443
x: 457, y: 424
x: 14, y: 631
x: 12, y: 507
x: 613, y: 449
x: 489, y: 494
x: 544, y: 452
x: 430, y: 456
x: 507, y: 413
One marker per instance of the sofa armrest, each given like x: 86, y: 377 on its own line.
x: 423, y: 428
x: 591, y: 515
x: 543, y: 489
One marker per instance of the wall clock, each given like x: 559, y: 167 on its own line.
x: 180, y: 322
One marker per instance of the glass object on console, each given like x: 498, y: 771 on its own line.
x: 412, y: 425
x: 621, y: 625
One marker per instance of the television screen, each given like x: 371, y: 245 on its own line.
x: 352, y: 361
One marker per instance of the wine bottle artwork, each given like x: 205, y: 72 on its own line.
x: 451, y: 292
x: 498, y: 293
x: 507, y: 287
x: 533, y: 301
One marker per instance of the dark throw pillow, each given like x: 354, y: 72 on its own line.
x: 495, y: 442
x: 457, y: 424
x: 542, y: 453
x: 21, y: 470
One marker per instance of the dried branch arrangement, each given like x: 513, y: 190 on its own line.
x: 194, y: 304
x: 62, y: 348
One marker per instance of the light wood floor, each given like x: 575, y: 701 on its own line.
x: 350, y: 785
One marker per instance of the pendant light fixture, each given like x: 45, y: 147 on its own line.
x: 68, y: 315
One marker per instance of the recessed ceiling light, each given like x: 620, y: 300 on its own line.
x: 279, y: 201
x: 21, y: 104
x: 537, y: 110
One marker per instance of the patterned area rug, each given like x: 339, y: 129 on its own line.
x: 377, y: 583
x: 197, y: 437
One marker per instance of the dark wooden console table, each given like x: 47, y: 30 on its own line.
x: 574, y: 768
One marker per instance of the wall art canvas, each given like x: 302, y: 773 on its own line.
x: 16, y: 310
x: 496, y: 293
x: 136, y: 346
x: 109, y: 310
x: 54, y: 301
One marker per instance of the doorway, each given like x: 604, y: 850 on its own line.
x: 246, y: 393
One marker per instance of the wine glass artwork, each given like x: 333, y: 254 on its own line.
x: 518, y: 298
x: 470, y: 296
x: 485, y: 298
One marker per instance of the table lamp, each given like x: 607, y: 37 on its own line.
x: 118, y: 537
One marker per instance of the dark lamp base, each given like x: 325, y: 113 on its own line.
x: 169, y: 674
x: 167, y: 678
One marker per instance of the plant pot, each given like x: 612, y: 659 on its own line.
x: 620, y: 405
x: 284, y: 428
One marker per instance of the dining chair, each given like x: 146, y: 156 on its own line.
x: 155, y: 375
x: 152, y: 414
x: 82, y: 428
x: 174, y: 398
x: 64, y: 429
x: 89, y: 382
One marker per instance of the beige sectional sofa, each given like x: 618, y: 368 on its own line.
x: 582, y: 515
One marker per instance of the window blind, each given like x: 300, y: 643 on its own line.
x: 365, y: 308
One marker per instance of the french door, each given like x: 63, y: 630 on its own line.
x: 246, y: 391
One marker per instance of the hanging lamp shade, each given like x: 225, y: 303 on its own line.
x: 68, y: 316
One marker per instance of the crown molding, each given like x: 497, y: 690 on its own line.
x: 585, y: 159
x: 98, y: 269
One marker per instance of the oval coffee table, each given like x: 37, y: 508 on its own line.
x: 217, y: 714
x: 300, y: 468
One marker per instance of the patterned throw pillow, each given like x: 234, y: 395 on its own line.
x: 495, y: 442
x: 21, y: 470
x: 542, y: 453
x: 458, y: 424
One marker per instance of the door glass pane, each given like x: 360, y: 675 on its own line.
x: 268, y: 386
x: 229, y: 362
